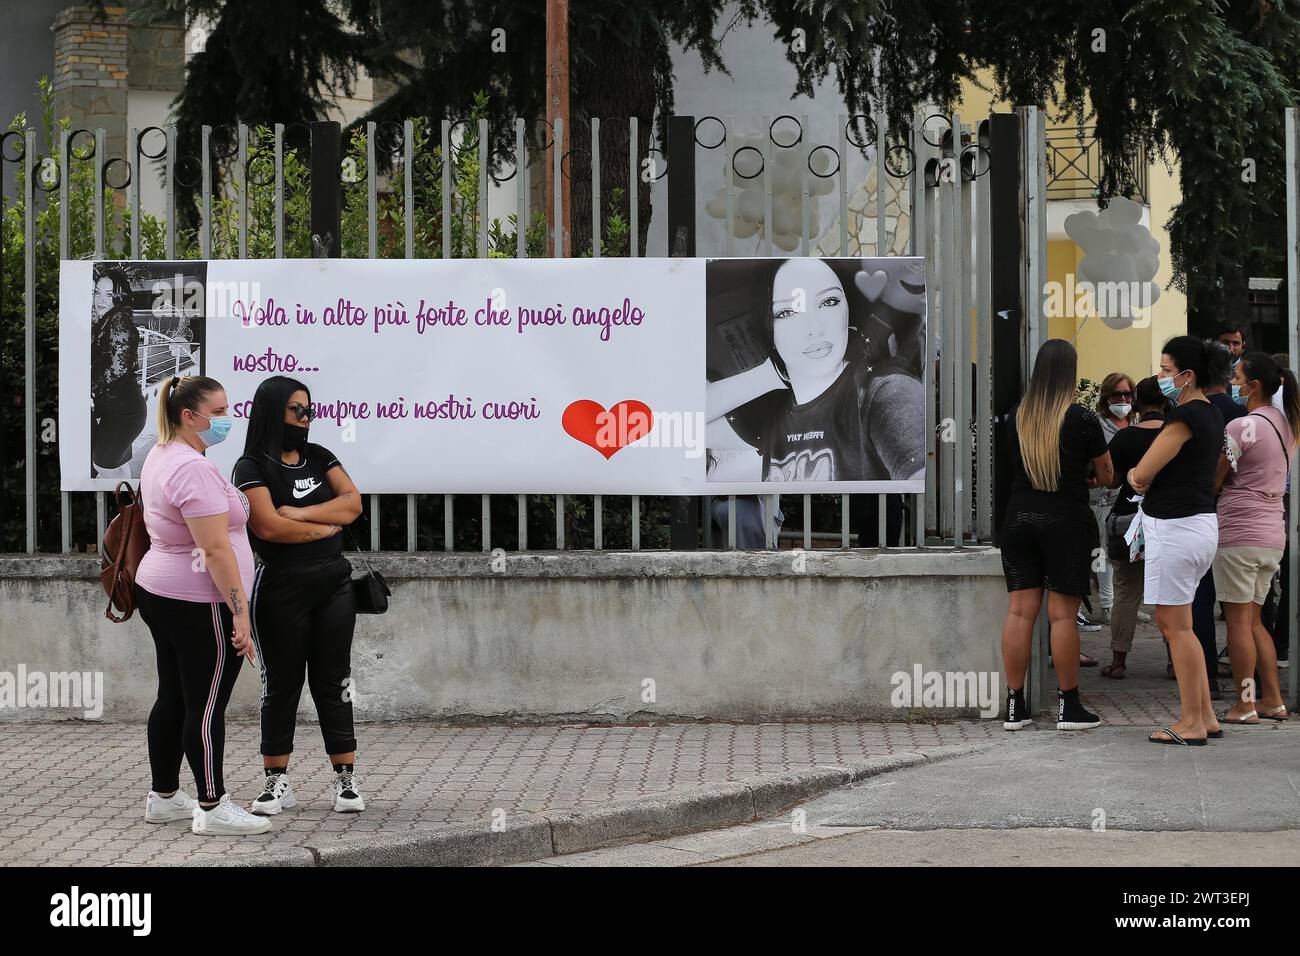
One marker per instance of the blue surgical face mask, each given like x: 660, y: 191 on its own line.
x: 218, y: 428
x: 1168, y: 388
x: 1237, y: 396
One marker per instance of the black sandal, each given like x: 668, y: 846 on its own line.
x: 1177, y: 739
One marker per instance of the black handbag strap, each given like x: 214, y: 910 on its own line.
x: 357, y: 548
x: 1279, y: 437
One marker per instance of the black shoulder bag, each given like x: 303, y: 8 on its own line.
x: 370, y: 591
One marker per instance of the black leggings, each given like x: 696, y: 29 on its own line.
x: 197, y: 668
x: 303, y: 617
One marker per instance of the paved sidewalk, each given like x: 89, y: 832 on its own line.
x: 76, y: 790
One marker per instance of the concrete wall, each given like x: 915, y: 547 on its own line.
x: 576, y: 635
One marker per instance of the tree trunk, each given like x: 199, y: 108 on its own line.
x: 611, y: 81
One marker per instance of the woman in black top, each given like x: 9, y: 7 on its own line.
x: 1045, y: 533
x: 1126, y: 450
x: 119, y: 407
x: 1179, y: 527
x: 302, y: 605
x: 832, y: 403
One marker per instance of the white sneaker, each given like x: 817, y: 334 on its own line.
x: 227, y: 819
x: 178, y: 806
x: 347, y: 796
x: 276, y: 795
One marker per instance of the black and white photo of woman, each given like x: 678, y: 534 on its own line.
x: 839, y: 393
x: 118, y: 403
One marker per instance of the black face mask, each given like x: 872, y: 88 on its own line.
x: 295, y: 438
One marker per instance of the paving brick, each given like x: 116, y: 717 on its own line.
x: 79, y: 797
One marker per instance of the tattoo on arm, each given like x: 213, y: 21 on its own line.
x: 235, y: 604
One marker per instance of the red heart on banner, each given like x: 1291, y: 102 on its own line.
x: 607, y: 431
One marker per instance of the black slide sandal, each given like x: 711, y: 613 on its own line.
x: 1176, y: 739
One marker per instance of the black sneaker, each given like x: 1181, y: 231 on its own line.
x: 1017, y: 711
x: 1084, y: 623
x: 1071, y: 714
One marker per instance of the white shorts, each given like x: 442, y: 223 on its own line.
x: 1179, y: 552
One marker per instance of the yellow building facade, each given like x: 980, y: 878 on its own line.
x: 1134, y: 351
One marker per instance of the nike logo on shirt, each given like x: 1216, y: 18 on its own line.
x: 305, y: 486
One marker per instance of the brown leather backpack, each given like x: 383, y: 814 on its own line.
x: 125, y: 542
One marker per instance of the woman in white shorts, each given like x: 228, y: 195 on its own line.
x: 1252, y: 528
x: 1178, y: 525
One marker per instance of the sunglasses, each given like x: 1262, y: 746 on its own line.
x: 1121, y: 394
x: 302, y: 411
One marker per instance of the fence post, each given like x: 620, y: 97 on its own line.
x: 326, y: 193
x: 684, y: 533
x: 29, y: 330
x: 1291, y: 585
x: 1006, y: 307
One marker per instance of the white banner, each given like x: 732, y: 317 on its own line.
x: 576, y: 376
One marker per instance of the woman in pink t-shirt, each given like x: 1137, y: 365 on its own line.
x: 1251, y: 480
x: 192, y: 590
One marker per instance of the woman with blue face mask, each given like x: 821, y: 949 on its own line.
x: 1178, y: 524
x: 1251, y: 481
x: 192, y: 591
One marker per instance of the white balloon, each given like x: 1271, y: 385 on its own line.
x: 717, y: 204
x: 821, y: 187
x: 749, y: 205
x: 786, y: 241
x: 1124, y: 212
x: 1146, y: 266
x: 1080, y: 224
x: 785, y: 214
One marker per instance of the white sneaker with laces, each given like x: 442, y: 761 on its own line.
x: 276, y: 795
x: 227, y: 819
x: 179, y: 806
x: 347, y: 796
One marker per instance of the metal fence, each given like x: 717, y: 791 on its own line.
x: 935, y: 170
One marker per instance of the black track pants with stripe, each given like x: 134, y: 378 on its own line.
x: 303, y: 618
x: 197, y: 668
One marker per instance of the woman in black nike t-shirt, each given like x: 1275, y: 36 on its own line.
x: 302, y: 605
x: 837, y: 404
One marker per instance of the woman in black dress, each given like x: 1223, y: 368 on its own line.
x: 118, y: 404
x: 1045, y: 533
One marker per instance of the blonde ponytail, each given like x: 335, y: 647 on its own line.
x: 1042, y: 411
x: 177, y: 394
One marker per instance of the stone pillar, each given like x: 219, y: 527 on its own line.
x: 90, y: 71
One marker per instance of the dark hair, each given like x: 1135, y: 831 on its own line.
x: 1147, y: 395
x: 121, y: 284
x: 858, y: 307
x: 1218, y: 365
x: 1259, y: 367
x: 177, y: 394
x: 1228, y: 327
x: 1189, y: 354
x: 266, y: 418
